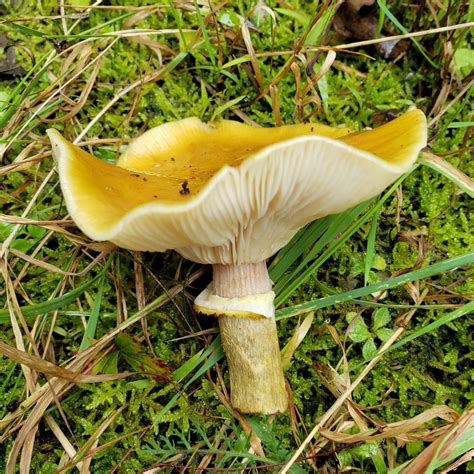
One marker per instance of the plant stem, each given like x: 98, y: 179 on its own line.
x: 251, y: 344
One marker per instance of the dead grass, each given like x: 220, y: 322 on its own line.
x: 73, y: 74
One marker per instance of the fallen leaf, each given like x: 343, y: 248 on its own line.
x: 9, y: 65
x: 358, y: 19
x: 392, y: 48
x: 133, y: 353
x: 444, y: 446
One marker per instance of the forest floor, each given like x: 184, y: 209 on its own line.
x: 392, y: 273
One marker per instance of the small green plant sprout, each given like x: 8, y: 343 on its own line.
x: 359, y: 332
x: 232, y: 195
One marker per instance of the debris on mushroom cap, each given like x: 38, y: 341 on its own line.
x: 250, y: 189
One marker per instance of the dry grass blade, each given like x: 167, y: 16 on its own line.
x: 403, y: 430
x: 348, y: 46
x: 464, y: 90
x: 24, y: 164
x: 255, y: 441
x: 156, y: 47
x: 148, y: 78
x: 415, y: 34
x: 275, y: 105
x: 253, y: 59
x: 27, y: 452
x: 46, y: 98
x: 16, y: 228
x: 207, y: 459
x: 43, y: 396
x: 119, y: 70
x: 27, y: 443
x: 54, y: 386
x: 456, y: 175
x: 443, y: 446
x: 91, y: 444
x: 347, y: 393
x: 26, y: 221
x: 326, y: 66
x: 297, y: 338
x: 61, y: 437
x: 52, y: 268
x: 77, y: 106
x: 41, y: 365
x: 469, y: 456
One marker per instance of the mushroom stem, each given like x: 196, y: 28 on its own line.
x: 251, y: 344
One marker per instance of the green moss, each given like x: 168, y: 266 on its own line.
x: 433, y: 369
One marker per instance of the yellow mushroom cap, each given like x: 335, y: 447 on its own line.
x: 229, y: 193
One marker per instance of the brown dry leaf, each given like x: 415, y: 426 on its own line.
x: 358, y: 19
x: 156, y: 47
x: 444, y: 445
x: 9, y: 65
x: 356, y: 5
x: 141, y: 362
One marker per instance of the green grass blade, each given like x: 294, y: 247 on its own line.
x: 91, y: 327
x: 297, y: 246
x: 222, y: 108
x: 32, y: 32
x: 381, y: 19
x: 304, y: 275
x: 461, y: 124
x: 338, y: 224
x: 17, y: 95
x: 211, y: 356
x: 447, y: 318
x: 205, y: 36
x: 83, y: 35
x: 436, y: 268
x: 184, y: 370
x: 462, y: 445
x: 394, y: 20
x: 299, y: 16
x: 179, y: 23
x: 55, y: 303
x: 235, y: 62
x: 314, y: 31
x: 370, y: 252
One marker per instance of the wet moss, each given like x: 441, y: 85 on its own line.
x: 431, y: 370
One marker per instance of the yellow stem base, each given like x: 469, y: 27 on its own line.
x: 257, y: 384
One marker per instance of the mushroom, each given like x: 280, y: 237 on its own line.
x: 232, y: 195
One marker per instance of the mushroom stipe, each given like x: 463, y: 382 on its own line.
x: 252, y: 190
